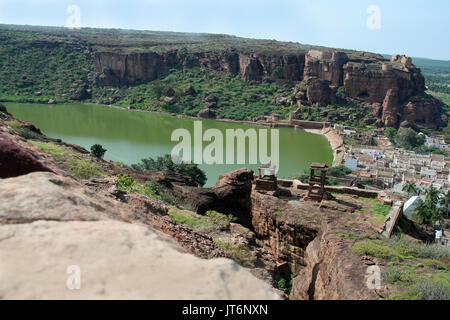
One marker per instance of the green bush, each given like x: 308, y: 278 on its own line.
x: 98, y: 151
x: 303, y: 177
x: 420, y: 250
x: 285, y: 283
x: 220, y: 220
x: 52, y: 148
x: 430, y: 211
x: 339, y: 171
x: 373, y: 248
x: 428, y: 289
x: 85, y: 169
x: 395, y: 275
x: 277, y: 72
x: 331, y: 181
x: 3, y: 108
x: 340, y: 92
x: 390, y: 133
x: 152, y: 187
x: 169, y: 199
x: 21, y: 130
x: 166, y: 163
x: 126, y: 183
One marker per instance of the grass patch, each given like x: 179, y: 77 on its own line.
x: 21, y: 130
x: 358, y: 236
x: 52, y: 149
x: 425, y: 288
x: 151, y: 189
x: 239, y: 253
x: 190, y: 221
x: 378, y: 210
x: 381, y: 209
x: 85, y: 169
x: 16, y: 125
x: 401, y: 249
x: 398, y: 276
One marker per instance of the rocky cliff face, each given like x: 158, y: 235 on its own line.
x: 286, y: 237
x: 332, y: 272
x: 365, y: 78
x: 305, y: 240
x: 114, y: 68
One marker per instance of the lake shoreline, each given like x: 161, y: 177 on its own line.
x: 336, y: 142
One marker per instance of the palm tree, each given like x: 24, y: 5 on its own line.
x: 428, y: 211
x: 410, y: 188
x: 432, y: 195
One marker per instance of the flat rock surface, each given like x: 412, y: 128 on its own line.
x: 49, y: 223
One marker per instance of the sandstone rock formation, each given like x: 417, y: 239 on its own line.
x: 231, y: 195
x: 318, y: 91
x: 116, y: 261
x: 286, y: 237
x: 16, y: 160
x: 391, y: 110
x: 331, y: 273
x: 325, y: 65
x: 424, y: 112
x: 49, y: 223
x: 366, y: 78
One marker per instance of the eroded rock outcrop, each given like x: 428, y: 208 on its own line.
x: 424, y: 112
x: 325, y: 65
x: 391, y: 110
x: 231, y: 195
x: 307, y: 240
x: 318, y: 91
x: 16, y: 160
x: 332, y: 272
x: 286, y: 236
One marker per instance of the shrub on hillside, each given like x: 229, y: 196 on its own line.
x: 277, y: 72
x: 340, y: 92
x: 3, y: 108
x: 428, y: 289
x: 339, y: 171
x: 98, y: 151
x: 85, y: 169
x: 166, y: 163
x: 222, y: 221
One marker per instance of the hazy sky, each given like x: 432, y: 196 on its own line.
x: 419, y: 28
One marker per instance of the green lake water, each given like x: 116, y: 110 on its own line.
x: 130, y: 136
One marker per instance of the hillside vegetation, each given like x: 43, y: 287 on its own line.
x: 53, y: 64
